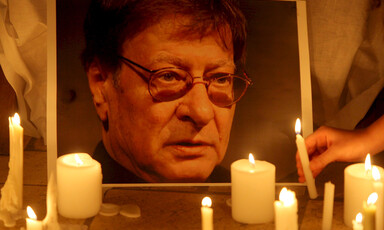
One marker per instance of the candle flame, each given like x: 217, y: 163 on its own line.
x: 31, y: 213
x: 287, y: 196
x: 376, y: 173
x: 368, y: 165
x: 16, y: 119
x: 372, y: 198
x: 359, y: 217
x: 206, y: 202
x: 251, y: 159
x: 297, y: 126
x: 78, y: 160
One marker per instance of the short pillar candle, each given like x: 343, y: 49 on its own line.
x: 79, y: 181
x: 253, y: 191
x: 358, y: 185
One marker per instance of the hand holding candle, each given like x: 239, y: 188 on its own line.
x: 286, y: 211
x: 302, y: 149
x: 206, y: 214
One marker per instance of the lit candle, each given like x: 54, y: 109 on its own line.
x: 206, y: 214
x: 300, y: 143
x: 286, y: 211
x: 358, y: 185
x: 357, y: 223
x: 78, y: 186
x: 16, y: 159
x: 378, y: 188
x: 11, y: 201
x: 369, y: 211
x: 32, y: 222
x: 328, y: 206
x: 252, y: 191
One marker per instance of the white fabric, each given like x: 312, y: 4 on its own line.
x: 23, y: 58
x: 346, y: 39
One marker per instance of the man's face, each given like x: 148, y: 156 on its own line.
x: 174, y: 141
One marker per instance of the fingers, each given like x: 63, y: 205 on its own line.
x: 317, y: 164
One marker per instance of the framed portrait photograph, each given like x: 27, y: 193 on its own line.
x: 279, y: 91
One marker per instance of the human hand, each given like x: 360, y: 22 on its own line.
x: 328, y: 144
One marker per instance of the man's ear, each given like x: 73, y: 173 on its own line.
x: 96, y: 80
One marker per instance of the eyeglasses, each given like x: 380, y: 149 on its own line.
x: 171, y: 83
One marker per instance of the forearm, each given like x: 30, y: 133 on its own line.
x: 375, y: 136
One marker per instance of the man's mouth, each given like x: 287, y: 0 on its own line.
x: 189, y: 144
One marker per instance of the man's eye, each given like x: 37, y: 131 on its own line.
x: 223, y: 80
x: 169, y: 76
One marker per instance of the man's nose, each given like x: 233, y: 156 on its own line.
x: 196, y: 105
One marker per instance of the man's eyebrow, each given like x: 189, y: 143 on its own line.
x: 182, y: 63
x: 220, y: 63
x: 169, y: 59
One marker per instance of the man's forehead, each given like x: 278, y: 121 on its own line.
x: 183, y: 28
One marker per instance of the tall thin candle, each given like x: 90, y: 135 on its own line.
x: 378, y: 188
x: 369, y: 212
x: 357, y: 223
x: 206, y: 214
x: 328, y: 206
x: 32, y: 222
x: 305, y: 161
x: 286, y: 211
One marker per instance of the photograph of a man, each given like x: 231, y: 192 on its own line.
x: 165, y: 77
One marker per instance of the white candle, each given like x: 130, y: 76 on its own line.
x: 206, y: 214
x: 378, y: 188
x: 286, y: 211
x: 328, y: 206
x: 16, y: 159
x: 79, y: 186
x: 369, y: 212
x: 358, y: 185
x: 300, y: 143
x: 357, y: 223
x: 253, y: 191
x: 50, y: 221
x: 32, y: 222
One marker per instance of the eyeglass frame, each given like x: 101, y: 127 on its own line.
x: 247, y: 80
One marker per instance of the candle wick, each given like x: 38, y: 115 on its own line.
x: 368, y: 172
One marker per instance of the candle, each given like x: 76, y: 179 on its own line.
x: 253, y: 191
x: 15, y: 162
x: 50, y: 221
x: 357, y: 225
x: 300, y: 143
x: 328, y: 206
x: 286, y: 211
x: 358, y: 185
x: 32, y: 222
x: 78, y: 186
x: 206, y: 214
x: 369, y: 211
x: 378, y: 188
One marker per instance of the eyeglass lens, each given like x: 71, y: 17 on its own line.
x: 168, y: 85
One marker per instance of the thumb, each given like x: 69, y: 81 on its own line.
x: 319, y: 162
